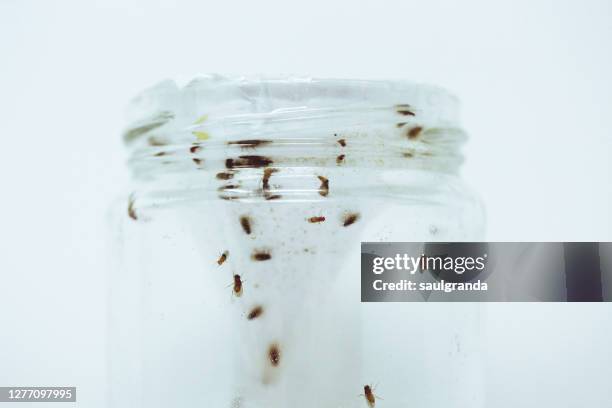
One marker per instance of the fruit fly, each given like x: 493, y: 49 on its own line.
x: 350, y: 219
x: 414, y: 132
x: 252, y: 143
x: 324, y: 188
x: 224, y: 175
x: 237, y: 289
x: 223, y: 258
x: 274, y: 354
x: 130, y: 210
x: 252, y: 161
x: 404, y: 109
x: 255, y: 312
x: 265, y: 181
x: 369, y: 396
x: 245, y: 222
x: 261, y: 255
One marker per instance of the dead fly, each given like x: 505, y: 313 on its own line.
x: 274, y: 354
x: 130, y: 210
x: 223, y: 258
x: 237, y: 286
x: 225, y: 175
x: 350, y: 219
x: 253, y: 143
x: 194, y: 148
x: 265, y: 181
x: 324, y: 188
x: 255, y: 312
x: 245, y: 222
x: 314, y: 220
x: 340, y: 159
x: 404, y: 109
x: 342, y: 142
x: 228, y: 187
x: 401, y: 124
x: 414, y: 132
x: 248, y: 161
x: 369, y: 396
x: 197, y: 161
x: 261, y: 255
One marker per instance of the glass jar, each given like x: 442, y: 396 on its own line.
x: 238, y: 247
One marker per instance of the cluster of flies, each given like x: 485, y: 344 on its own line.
x: 258, y: 255
x: 256, y: 161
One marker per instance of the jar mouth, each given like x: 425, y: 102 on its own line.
x: 232, y: 129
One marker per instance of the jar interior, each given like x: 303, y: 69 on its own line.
x: 241, y: 241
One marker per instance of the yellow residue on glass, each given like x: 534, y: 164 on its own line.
x: 200, y: 134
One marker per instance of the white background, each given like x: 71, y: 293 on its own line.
x: 534, y: 78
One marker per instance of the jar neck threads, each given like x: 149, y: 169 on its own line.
x: 222, y: 134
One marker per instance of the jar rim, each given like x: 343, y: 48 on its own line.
x: 222, y: 125
x: 213, y: 97
x: 216, y: 96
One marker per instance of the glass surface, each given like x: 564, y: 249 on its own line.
x: 238, y: 247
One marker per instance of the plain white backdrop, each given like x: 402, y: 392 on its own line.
x: 533, y: 76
